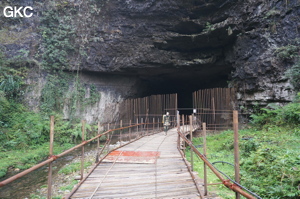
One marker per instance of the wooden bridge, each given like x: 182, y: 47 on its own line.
x: 147, y: 163
x: 151, y: 167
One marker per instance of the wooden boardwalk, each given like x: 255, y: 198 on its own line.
x: 162, y: 174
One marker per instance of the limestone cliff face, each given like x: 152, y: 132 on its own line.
x: 167, y: 46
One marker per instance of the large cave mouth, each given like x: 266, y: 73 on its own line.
x: 183, y: 81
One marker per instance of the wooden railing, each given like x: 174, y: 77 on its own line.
x: 126, y: 135
x: 184, y: 141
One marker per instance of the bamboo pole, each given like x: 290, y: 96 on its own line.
x: 137, y: 127
x: 98, y: 143
x: 227, y: 183
x: 236, y: 150
x: 82, y: 149
x: 204, y: 153
x: 153, y: 124
x: 49, y: 194
x: 191, y: 135
x: 143, y: 126
x: 129, y: 130
x: 121, y: 125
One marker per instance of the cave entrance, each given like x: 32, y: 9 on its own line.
x: 185, y: 102
x: 184, y: 81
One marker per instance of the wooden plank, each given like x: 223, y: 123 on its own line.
x: 168, y: 177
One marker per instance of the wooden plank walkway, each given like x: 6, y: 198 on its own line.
x: 167, y: 177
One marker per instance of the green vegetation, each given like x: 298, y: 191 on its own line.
x: 209, y: 27
x: 74, y: 167
x: 271, y: 13
x: 289, y: 51
x: 24, y: 135
x: 58, y: 93
x: 58, y: 34
x: 66, y: 29
x: 70, y: 186
x: 269, y: 154
x: 294, y: 75
x: 27, y: 157
x: 24, y: 131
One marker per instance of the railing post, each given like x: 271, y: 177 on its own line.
x: 204, y: 153
x: 191, y: 135
x: 182, y: 118
x: 236, y: 150
x: 178, y: 127
x: 82, y: 150
x: 130, y: 130
x: 49, y: 195
x: 121, y: 125
x: 98, y: 143
x: 178, y: 120
x: 185, y: 120
x: 153, y: 125
x: 137, y: 127
x: 183, y: 124
x: 143, y: 126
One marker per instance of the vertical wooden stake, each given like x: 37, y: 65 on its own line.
x: 183, y: 133
x: 143, y: 126
x: 183, y: 124
x: 153, y: 126
x: 214, y: 113
x: 49, y: 195
x: 178, y: 127
x: 137, y: 127
x: 158, y: 125
x: 121, y: 125
x: 236, y: 149
x: 129, y: 130
x: 187, y: 124
x: 191, y: 134
x: 98, y: 140
x: 204, y: 153
x: 82, y: 150
x: 177, y: 120
x: 98, y: 144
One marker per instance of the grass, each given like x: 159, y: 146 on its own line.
x: 74, y: 167
x: 269, y: 159
x: 69, y: 186
x: 214, y: 153
x: 26, y: 158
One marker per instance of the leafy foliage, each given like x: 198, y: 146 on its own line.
x: 58, y: 34
x: 52, y: 98
x: 10, y: 79
x: 289, y: 51
x: 209, y: 27
x: 74, y: 167
x: 287, y: 115
x: 57, y: 93
x: 269, y: 155
x: 294, y: 75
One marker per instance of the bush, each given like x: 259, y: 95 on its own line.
x: 276, y: 115
x: 294, y: 75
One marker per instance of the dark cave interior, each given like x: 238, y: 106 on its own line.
x: 184, y: 81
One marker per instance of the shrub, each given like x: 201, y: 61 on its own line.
x: 286, y: 115
x: 294, y: 75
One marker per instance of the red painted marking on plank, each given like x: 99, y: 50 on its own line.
x: 136, y: 153
x: 133, y: 156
